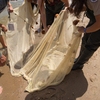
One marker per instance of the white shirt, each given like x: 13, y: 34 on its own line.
x: 94, y: 5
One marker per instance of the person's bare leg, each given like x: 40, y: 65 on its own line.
x: 2, y: 42
x: 1, y: 89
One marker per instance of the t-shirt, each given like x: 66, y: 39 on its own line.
x: 94, y: 5
x: 3, y: 4
x: 52, y: 3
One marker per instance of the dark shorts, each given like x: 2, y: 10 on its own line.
x: 91, y: 40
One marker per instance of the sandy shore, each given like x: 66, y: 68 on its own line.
x: 78, y: 85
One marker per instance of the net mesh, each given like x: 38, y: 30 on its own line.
x: 54, y: 56
x: 20, y: 40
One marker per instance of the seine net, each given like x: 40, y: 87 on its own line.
x: 54, y: 56
x: 52, y: 59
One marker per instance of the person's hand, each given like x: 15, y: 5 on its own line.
x: 56, y: 15
x: 10, y: 8
x: 46, y: 28
x: 81, y: 29
x: 4, y: 29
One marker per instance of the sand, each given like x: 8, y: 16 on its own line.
x: 78, y: 85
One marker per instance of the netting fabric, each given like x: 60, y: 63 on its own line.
x: 20, y: 36
x: 53, y: 58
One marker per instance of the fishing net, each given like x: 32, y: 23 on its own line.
x: 20, y: 36
x: 53, y: 58
x: 3, y: 16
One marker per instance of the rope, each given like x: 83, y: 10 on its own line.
x: 22, y: 19
x: 35, y: 14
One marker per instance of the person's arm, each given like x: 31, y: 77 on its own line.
x: 43, y: 13
x: 93, y: 28
x: 10, y: 8
x: 4, y: 29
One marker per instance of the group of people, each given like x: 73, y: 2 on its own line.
x: 48, y: 10
x: 91, y: 38
x: 3, y: 5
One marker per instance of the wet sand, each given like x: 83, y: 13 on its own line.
x: 78, y: 85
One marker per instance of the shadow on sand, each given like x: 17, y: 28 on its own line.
x: 1, y: 74
x: 73, y: 86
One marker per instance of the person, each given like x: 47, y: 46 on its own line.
x: 2, y: 60
x: 48, y: 10
x: 34, y: 4
x: 3, y: 4
x: 2, y: 63
x: 91, y: 38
